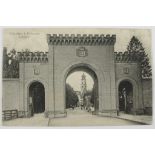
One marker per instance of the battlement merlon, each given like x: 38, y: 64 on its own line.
x: 29, y: 56
x: 128, y: 57
x: 84, y: 39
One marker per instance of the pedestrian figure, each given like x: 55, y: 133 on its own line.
x: 129, y: 106
x: 125, y: 98
x: 92, y: 109
x: 31, y: 107
x: 82, y: 105
x: 72, y: 107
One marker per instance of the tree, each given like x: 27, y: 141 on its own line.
x: 71, y: 97
x: 10, y: 64
x: 5, y: 62
x: 136, y: 49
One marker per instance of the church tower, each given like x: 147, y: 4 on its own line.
x: 83, y: 85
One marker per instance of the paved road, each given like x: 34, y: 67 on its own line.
x: 79, y: 117
x: 74, y: 117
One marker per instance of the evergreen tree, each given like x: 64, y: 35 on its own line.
x: 136, y: 49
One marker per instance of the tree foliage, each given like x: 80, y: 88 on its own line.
x: 71, y: 97
x: 10, y: 64
x: 136, y: 47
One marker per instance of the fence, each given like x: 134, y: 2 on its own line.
x: 10, y: 114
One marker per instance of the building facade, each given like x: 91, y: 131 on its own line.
x: 117, y: 77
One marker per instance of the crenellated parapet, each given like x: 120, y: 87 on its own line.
x: 32, y: 56
x: 79, y: 39
x: 127, y: 57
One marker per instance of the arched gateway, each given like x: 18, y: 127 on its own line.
x: 68, y: 53
x: 94, y: 53
x: 36, y: 98
x: 126, y: 96
x: 88, y: 69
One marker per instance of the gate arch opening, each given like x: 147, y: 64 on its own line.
x: 85, y: 98
x: 126, y: 96
x: 36, y: 98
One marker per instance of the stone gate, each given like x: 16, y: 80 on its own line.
x: 93, y: 53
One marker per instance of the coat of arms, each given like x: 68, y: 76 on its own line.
x: 82, y: 52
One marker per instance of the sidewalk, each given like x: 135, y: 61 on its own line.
x: 144, y: 119
x: 38, y: 120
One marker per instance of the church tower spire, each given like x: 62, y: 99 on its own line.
x: 83, y: 84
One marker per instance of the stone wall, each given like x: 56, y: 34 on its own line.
x: 10, y: 99
x: 131, y: 72
x: 29, y: 73
x: 98, y: 58
x: 147, y: 95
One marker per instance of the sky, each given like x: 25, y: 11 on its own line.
x: 76, y: 76
x: 35, y: 38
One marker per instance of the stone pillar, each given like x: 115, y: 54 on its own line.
x: 22, y: 110
x: 139, y: 105
x: 107, y: 106
x: 50, y: 107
